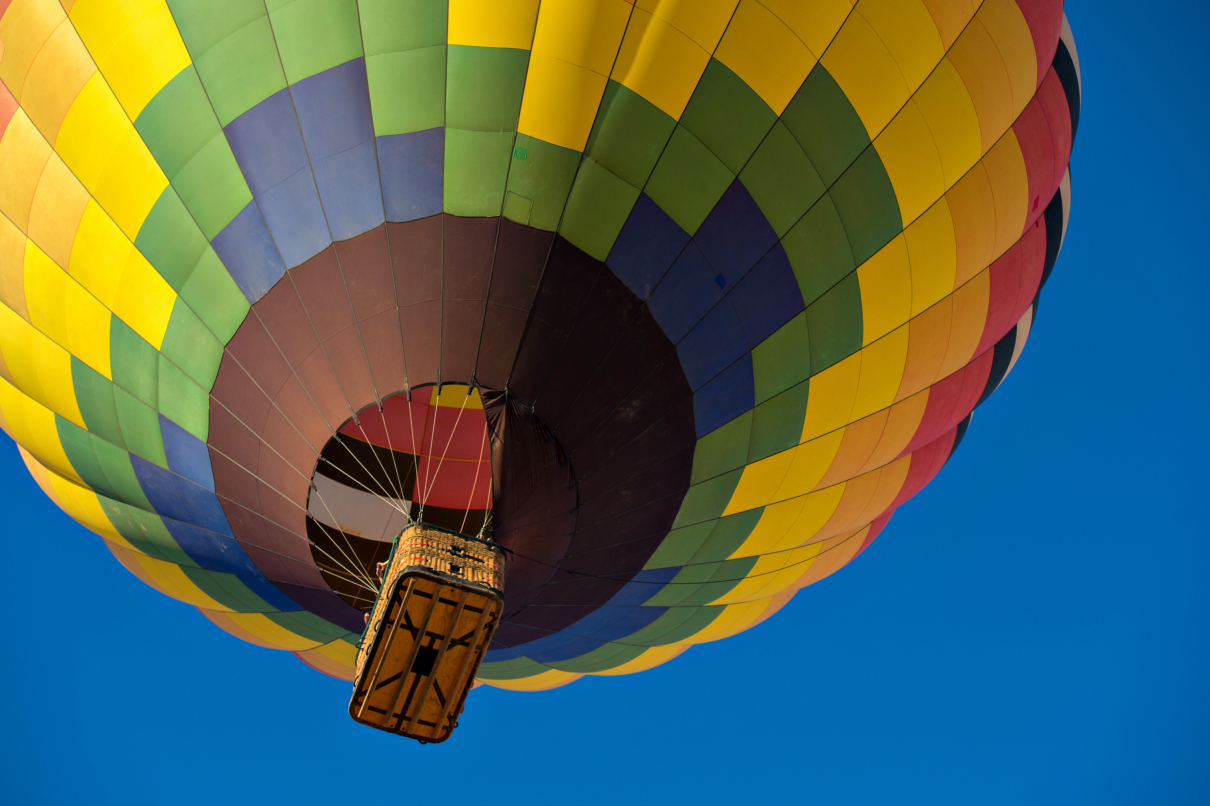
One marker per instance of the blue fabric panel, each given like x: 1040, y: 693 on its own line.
x: 724, y: 398
x: 735, y: 235
x: 187, y: 455
x: 348, y: 186
x: 716, y: 342
x: 334, y: 109
x: 559, y: 646
x: 215, y: 552
x: 267, y: 143
x: 248, y: 252
x: 767, y: 297
x: 178, y: 498
x: 411, y: 167
x: 643, y: 586
x: 498, y: 655
x: 686, y: 293
x: 648, y: 244
x: 292, y: 210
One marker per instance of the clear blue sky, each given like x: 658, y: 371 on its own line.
x: 1033, y: 628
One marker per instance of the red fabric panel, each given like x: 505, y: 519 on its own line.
x: 926, y: 463
x: 1045, y: 20
x: 1053, y: 99
x: 876, y: 527
x: 1037, y: 148
x: 8, y: 104
x: 951, y: 400
x: 1014, y: 281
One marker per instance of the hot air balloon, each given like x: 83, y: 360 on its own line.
x: 644, y: 315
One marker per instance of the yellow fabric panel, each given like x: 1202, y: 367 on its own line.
x: 759, y: 481
x: 170, y: 579
x: 539, y: 682
x: 38, y: 367
x: 909, y: 154
x: 983, y: 73
x: 890, y: 482
x: 811, y: 460
x: 930, y: 335
x: 128, y: 560
x: 1008, y: 29
x: 269, y: 631
x: 560, y: 102
x: 56, y: 77
x: 771, y: 575
x: 830, y: 400
x: 340, y: 651
x: 902, y: 422
x: 766, y: 54
x: 59, y: 202
x: 973, y: 209
x: 455, y: 396
x: 860, y: 439
x: 735, y: 618
x: 933, y: 256
x: 882, y: 366
x: 862, y: 65
x: 84, y: 506
x: 886, y: 290
x: 135, y: 44
x: 321, y: 659
x: 224, y: 622
x: 659, y: 63
x: 703, y: 21
x: 41, y: 475
x: 108, y: 265
x: 908, y: 30
x: 970, y: 316
x: 99, y: 143
x: 24, y: 29
x: 815, y: 22
x: 792, y: 523
x: 492, y: 23
x: 64, y: 311
x: 650, y: 658
x: 835, y: 555
x: 1009, y: 181
x: 586, y: 33
x: 950, y: 114
x: 12, y: 267
x: 950, y: 17
x: 32, y: 426
x: 23, y: 156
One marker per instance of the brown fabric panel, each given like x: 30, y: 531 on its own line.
x: 275, y: 567
x: 570, y: 275
x: 236, y: 487
x: 520, y: 255
x: 467, y: 261
x: 281, y: 435
x: 281, y: 476
x: 421, y: 325
x: 660, y: 480
x: 603, y: 547
x: 280, y: 510
x: 283, y: 316
x: 232, y: 438
x: 461, y: 321
x: 298, y: 409
x: 384, y: 349
x: 320, y: 383
x: 322, y: 289
x: 348, y: 358
x: 510, y: 634
x: 416, y: 255
x: 295, y: 547
x: 502, y: 329
x: 571, y: 591
x: 664, y: 439
x: 256, y: 352
x: 366, y: 262
x: 539, y: 348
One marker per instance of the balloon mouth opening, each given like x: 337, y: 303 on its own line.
x: 418, y: 457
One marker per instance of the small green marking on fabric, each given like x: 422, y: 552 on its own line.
x: 520, y: 153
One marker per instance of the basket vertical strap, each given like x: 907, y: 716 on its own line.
x: 407, y: 667
x: 386, y: 645
x: 466, y: 662
x: 428, y: 684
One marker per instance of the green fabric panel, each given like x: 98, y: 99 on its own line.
x: 241, y: 70
x: 94, y: 396
x: 629, y: 134
x: 314, y: 35
x: 725, y: 448
x: 77, y: 446
x: 783, y: 359
x: 407, y: 90
x: 308, y: 625
x: 215, y: 297
x: 688, y: 180
x: 227, y: 590
x: 146, y: 532
x: 781, y: 179
x: 724, y: 579
x: 729, y: 534
x: 484, y: 88
x: 866, y: 204
x: 115, y: 464
x: 707, y: 500
x: 601, y: 659
x: 777, y: 423
x: 393, y: 25
x: 205, y: 23
x: 727, y: 115
x: 177, y: 122
x: 677, y: 624
x: 679, y: 546
x: 541, y: 173
x: 513, y: 669
x: 834, y: 322
x: 183, y: 401
x: 819, y: 250
x: 190, y: 345
x: 212, y: 186
x: 170, y: 240
x: 140, y: 428
x: 825, y: 125
x: 476, y: 168
x: 133, y: 362
x: 597, y: 209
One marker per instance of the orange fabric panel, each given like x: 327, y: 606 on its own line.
x: 970, y: 315
x: 902, y: 423
x: 928, y: 338
x: 860, y: 440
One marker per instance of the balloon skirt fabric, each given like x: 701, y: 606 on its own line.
x: 726, y: 279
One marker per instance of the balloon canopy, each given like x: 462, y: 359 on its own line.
x: 678, y: 300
